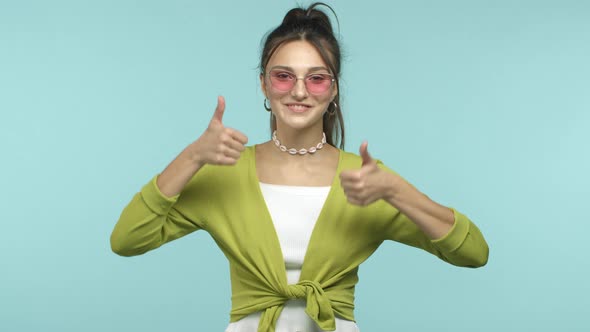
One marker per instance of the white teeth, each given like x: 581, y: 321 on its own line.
x: 299, y: 108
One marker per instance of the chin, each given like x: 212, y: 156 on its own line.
x: 299, y: 121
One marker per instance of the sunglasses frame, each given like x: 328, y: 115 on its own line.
x: 332, y: 80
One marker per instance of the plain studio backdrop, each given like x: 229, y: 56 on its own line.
x: 482, y: 105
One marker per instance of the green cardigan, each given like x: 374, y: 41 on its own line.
x: 227, y: 202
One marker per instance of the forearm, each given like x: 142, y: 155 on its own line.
x: 177, y: 174
x: 139, y: 229
x: 423, y: 223
x: 149, y: 221
x: 433, y: 219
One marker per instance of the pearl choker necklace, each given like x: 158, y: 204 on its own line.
x: 294, y: 151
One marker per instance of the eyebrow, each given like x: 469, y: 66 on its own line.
x: 311, y: 69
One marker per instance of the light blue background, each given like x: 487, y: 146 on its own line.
x: 483, y: 105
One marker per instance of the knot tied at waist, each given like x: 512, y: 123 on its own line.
x: 317, y: 307
x: 296, y: 291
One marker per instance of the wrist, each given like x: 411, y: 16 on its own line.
x: 396, y: 186
x: 194, y: 159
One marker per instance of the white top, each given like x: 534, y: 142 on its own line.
x: 294, y: 211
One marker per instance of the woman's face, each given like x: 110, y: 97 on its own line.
x: 303, y: 105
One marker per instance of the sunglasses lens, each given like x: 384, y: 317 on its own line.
x: 318, y: 83
x: 282, y: 81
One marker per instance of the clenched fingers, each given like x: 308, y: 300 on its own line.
x: 238, y: 136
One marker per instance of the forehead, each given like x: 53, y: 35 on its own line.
x: 299, y: 55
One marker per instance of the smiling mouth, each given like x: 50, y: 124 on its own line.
x: 298, y: 108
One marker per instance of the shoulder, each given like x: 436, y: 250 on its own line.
x: 242, y: 165
x: 349, y: 156
x: 353, y: 160
x: 222, y: 176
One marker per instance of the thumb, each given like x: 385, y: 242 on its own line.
x: 219, y: 110
x: 364, y: 151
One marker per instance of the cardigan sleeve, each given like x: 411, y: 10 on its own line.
x: 150, y: 220
x: 464, y: 244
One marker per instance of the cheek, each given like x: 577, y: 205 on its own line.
x: 275, y: 94
x: 278, y: 98
x: 325, y: 101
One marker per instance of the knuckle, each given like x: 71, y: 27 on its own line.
x: 228, y: 131
x: 224, y: 139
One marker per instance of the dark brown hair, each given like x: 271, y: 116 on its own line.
x: 311, y: 25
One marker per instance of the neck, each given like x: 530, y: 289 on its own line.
x: 299, y: 138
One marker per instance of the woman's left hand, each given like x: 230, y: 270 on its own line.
x: 369, y: 183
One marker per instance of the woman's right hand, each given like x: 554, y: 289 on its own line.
x: 218, y: 145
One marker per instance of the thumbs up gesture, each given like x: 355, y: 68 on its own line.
x: 218, y: 145
x: 367, y: 184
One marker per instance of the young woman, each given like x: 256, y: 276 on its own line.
x: 296, y: 215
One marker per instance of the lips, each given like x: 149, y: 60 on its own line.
x: 298, y: 108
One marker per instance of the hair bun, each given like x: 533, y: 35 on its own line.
x: 299, y: 17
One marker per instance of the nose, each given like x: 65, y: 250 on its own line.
x: 299, y: 91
